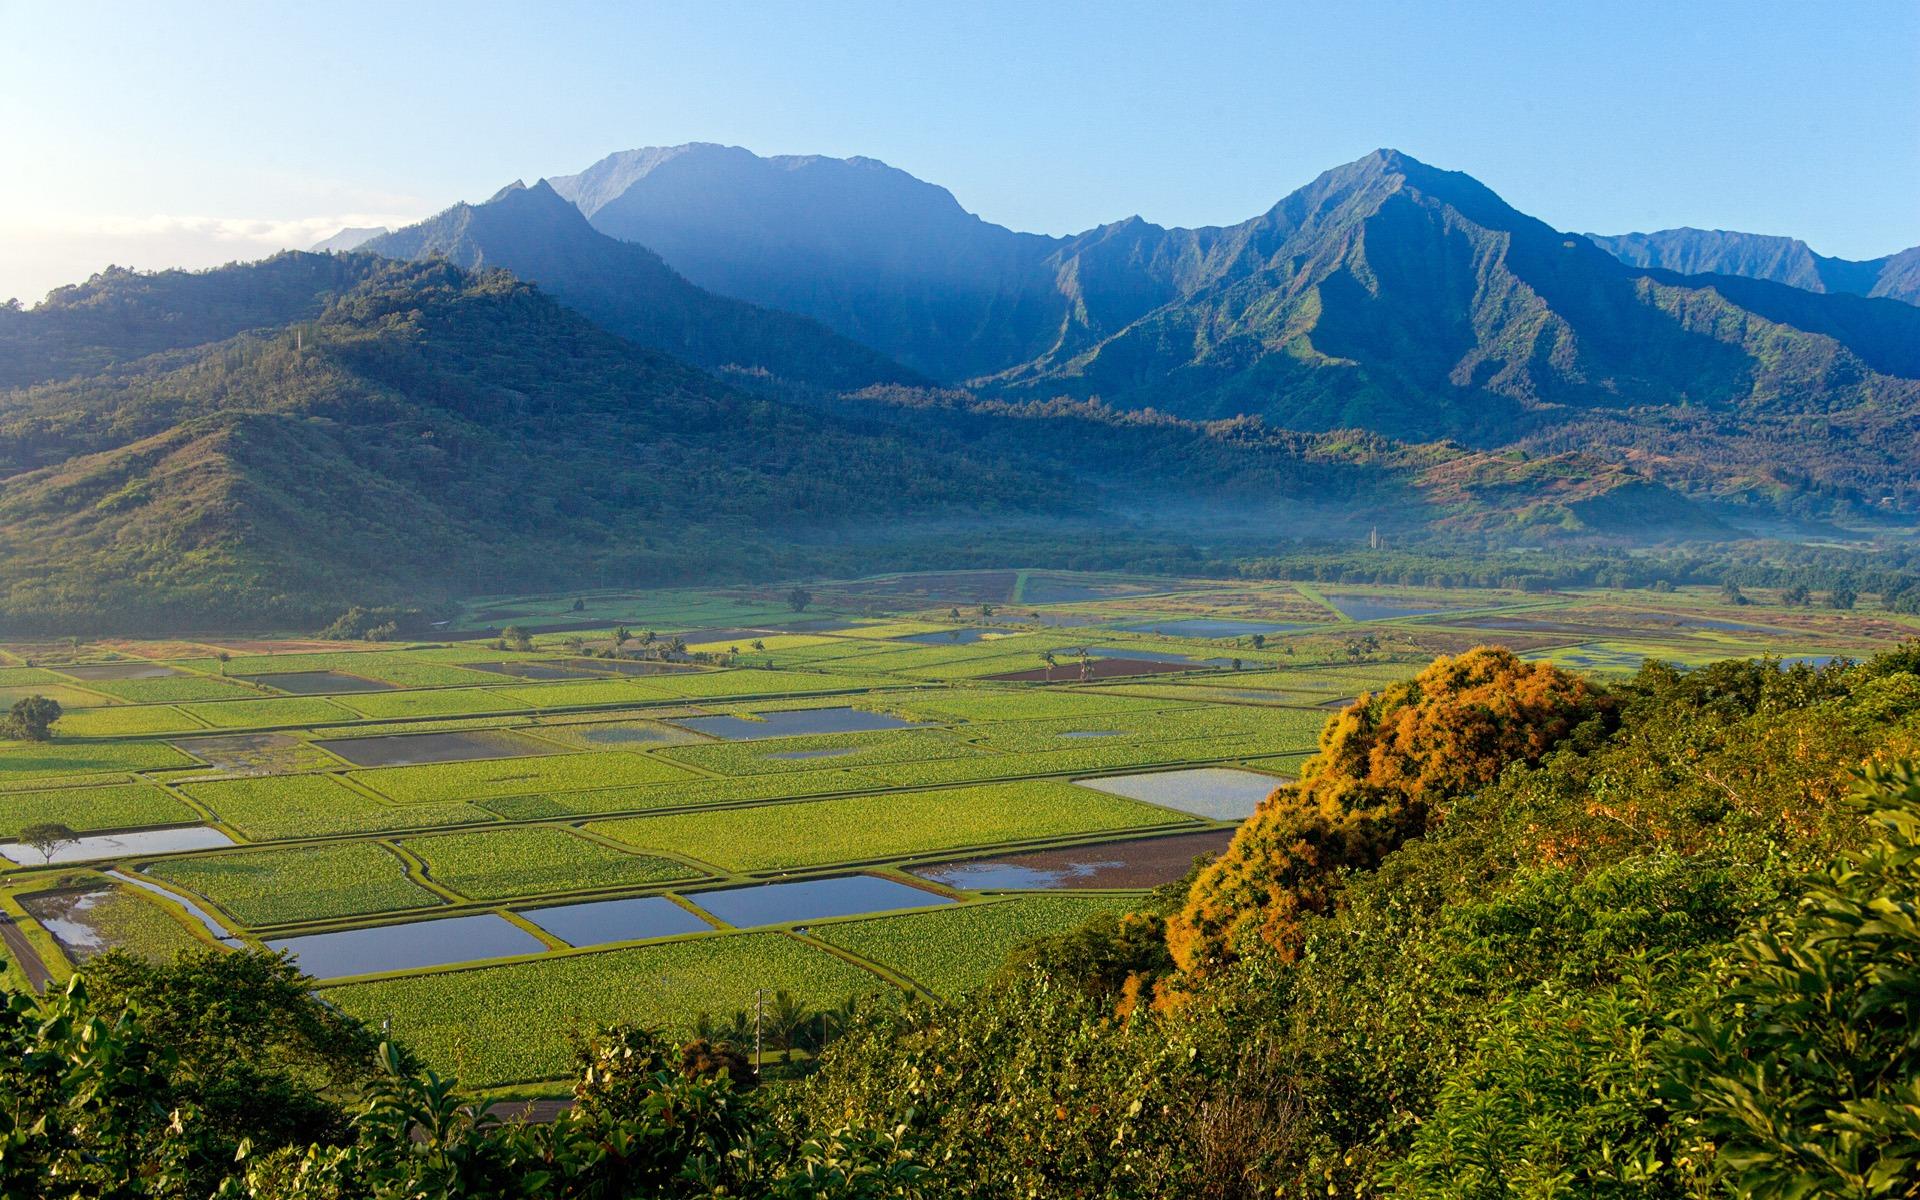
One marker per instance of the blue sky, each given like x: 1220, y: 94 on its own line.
x: 189, y: 134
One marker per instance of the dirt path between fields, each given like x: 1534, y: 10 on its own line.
x: 23, y: 953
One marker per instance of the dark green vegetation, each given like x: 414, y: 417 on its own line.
x: 1391, y: 349
x: 427, y: 431
x: 1673, y: 955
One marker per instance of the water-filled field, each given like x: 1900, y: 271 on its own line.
x: 889, y: 792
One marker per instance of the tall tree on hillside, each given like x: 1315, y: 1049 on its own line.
x: 799, y: 598
x: 1387, y: 765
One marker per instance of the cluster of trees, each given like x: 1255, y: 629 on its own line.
x: 30, y: 719
x: 1510, y: 935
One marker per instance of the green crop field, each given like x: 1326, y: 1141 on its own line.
x: 288, y: 806
x: 506, y: 1024
x: 450, y: 702
x: 260, y: 714
x: 858, y: 828
x: 299, y: 883
x: 950, y: 950
x: 113, y: 806
x: 129, y: 720
x: 24, y: 762
x: 131, y: 920
x: 820, y: 751
x: 991, y: 765
x: 171, y: 688
x: 517, y: 776
x: 499, y: 863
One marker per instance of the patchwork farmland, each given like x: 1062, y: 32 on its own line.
x: 491, y: 843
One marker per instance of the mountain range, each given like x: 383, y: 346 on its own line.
x: 697, y: 363
x: 1760, y: 256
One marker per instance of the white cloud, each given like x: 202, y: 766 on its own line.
x: 40, y: 253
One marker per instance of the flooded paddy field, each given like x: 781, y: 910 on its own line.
x: 318, y: 683
x: 812, y: 900
x: 1133, y: 863
x: 408, y: 946
x: 414, y: 749
x: 792, y: 723
x: 1216, y: 793
x: 636, y: 836
x: 127, y: 844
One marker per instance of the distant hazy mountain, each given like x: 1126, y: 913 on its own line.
x: 869, y: 250
x: 412, y: 431
x: 350, y: 238
x: 628, y: 290
x: 1760, y: 256
x: 1386, y: 294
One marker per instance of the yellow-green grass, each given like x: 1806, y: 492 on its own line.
x: 21, y: 762
x: 131, y: 720
x: 170, y: 688
x: 518, y: 776
x: 406, y: 668
x: 449, y: 702
x: 497, y: 864
x: 584, y: 693
x: 258, y: 714
x: 267, y: 807
x: 1009, y: 704
x: 744, y: 788
x: 65, y: 695
x: 110, y: 806
x: 510, y: 1023
x: 24, y: 676
x: 277, y: 884
x: 949, y: 951
x: 817, y: 833
x: 820, y: 751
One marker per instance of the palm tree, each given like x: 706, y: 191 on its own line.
x: 785, y: 1023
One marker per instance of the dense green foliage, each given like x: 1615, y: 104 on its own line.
x: 1669, y: 956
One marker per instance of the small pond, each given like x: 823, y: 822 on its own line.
x: 793, y: 723
x: 319, y: 683
x: 631, y: 920
x: 1217, y: 793
x: 120, y: 670
x: 812, y: 900
x: 412, y: 749
x: 405, y: 946
x: 1385, y: 608
x: 67, y: 916
x: 123, y: 845
x: 1210, y: 627
x: 1135, y: 863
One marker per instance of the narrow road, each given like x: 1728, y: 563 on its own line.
x: 23, y: 953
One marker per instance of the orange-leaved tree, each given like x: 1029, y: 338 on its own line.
x: 1388, y: 763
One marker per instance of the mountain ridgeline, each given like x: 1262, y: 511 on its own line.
x: 696, y: 363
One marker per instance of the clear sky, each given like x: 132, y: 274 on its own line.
x: 190, y: 134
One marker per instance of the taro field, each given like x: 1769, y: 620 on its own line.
x: 664, y: 803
